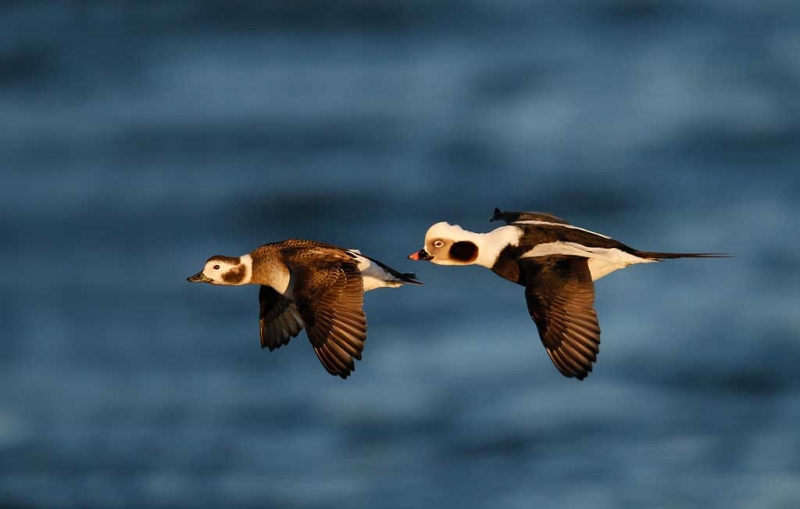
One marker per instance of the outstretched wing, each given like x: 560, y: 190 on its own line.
x: 278, y: 319
x: 560, y: 296
x: 330, y: 298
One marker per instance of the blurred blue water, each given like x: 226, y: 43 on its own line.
x: 138, y: 139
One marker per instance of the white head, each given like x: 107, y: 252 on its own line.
x: 447, y: 244
x: 225, y: 270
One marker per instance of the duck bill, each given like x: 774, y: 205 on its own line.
x: 420, y: 255
x: 199, y: 278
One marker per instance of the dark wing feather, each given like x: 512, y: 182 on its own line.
x: 330, y: 298
x: 404, y: 277
x: 278, y: 319
x: 560, y: 296
x: 512, y: 217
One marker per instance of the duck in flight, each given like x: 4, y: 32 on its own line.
x: 311, y: 285
x: 557, y: 263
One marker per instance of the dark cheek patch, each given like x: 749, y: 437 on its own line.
x: 464, y: 251
x: 235, y: 275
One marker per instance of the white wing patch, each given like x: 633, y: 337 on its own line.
x: 602, y: 261
x: 547, y: 223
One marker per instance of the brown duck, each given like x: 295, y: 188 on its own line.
x: 311, y: 285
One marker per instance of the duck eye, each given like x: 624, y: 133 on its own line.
x: 216, y: 267
x: 438, y: 243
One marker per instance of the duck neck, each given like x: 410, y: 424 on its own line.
x: 247, y: 263
x: 492, y: 243
x: 267, y: 271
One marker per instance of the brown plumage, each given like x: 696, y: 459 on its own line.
x: 278, y: 319
x: 311, y: 285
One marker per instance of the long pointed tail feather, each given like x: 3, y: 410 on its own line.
x: 402, y: 277
x: 669, y: 256
x: 410, y: 278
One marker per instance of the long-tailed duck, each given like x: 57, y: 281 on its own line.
x: 557, y: 263
x: 313, y: 285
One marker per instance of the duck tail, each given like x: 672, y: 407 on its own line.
x: 405, y: 278
x: 408, y: 278
x: 650, y: 255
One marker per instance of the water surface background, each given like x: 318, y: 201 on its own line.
x: 137, y: 139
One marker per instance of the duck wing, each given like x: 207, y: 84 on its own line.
x: 329, y: 295
x: 278, y: 319
x: 560, y: 296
